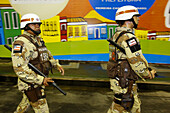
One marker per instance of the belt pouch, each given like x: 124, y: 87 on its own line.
x: 34, y: 94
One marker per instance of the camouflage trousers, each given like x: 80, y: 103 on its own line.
x: 117, y: 108
x: 40, y: 106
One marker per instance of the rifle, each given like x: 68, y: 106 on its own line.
x: 39, y: 72
x: 123, y: 51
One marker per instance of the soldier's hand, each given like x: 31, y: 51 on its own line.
x: 152, y: 74
x: 61, y: 70
x: 46, y: 80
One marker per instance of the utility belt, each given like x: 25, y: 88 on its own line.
x: 34, y: 94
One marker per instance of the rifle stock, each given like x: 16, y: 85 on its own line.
x: 39, y: 72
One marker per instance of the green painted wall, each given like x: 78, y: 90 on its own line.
x: 97, y: 46
x: 155, y: 47
x: 108, y: 30
x: 10, y: 32
x: 79, y: 47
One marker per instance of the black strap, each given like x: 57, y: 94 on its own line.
x: 122, y: 33
x: 118, y: 95
x: 117, y: 101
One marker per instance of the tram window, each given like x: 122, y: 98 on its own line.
x: 7, y: 20
x: 63, y: 27
x: 103, y: 30
x: 83, y: 29
x: 77, y: 31
x: 47, y: 26
x: 9, y: 40
x: 90, y: 31
x: 70, y: 32
x: 15, y: 20
x: 55, y: 25
x: 51, y: 25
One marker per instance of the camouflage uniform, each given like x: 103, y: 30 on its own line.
x: 24, y: 51
x: 137, y: 62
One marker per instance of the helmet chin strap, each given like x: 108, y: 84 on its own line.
x: 134, y: 23
x: 35, y: 32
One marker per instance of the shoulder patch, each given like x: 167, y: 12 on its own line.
x: 17, y: 48
x: 133, y: 44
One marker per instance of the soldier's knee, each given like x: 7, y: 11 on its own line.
x: 39, y: 103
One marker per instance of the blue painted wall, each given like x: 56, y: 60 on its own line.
x: 95, y: 32
x: 2, y: 40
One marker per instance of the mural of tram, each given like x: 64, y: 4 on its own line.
x: 82, y: 35
x: 56, y: 29
x: 85, y: 38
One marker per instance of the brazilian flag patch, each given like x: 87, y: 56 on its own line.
x: 17, y: 49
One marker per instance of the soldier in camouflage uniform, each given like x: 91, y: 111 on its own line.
x: 29, y: 48
x: 125, y: 69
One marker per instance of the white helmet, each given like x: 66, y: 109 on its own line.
x: 28, y: 19
x: 126, y: 12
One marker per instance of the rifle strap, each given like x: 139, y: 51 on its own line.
x: 30, y: 39
x: 122, y: 33
x: 130, y: 86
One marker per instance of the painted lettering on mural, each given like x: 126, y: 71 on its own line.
x: 108, y: 8
x: 121, y: 0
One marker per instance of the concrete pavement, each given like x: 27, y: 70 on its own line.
x: 80, y: 99
x: 87, y: 91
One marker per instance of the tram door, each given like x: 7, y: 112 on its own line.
x: 97, y: 33
x: 110, y: 32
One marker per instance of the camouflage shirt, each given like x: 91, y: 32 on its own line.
x: 134, y: 55
x: 22, y: 52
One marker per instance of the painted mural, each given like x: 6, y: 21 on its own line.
x: 80, y: 30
